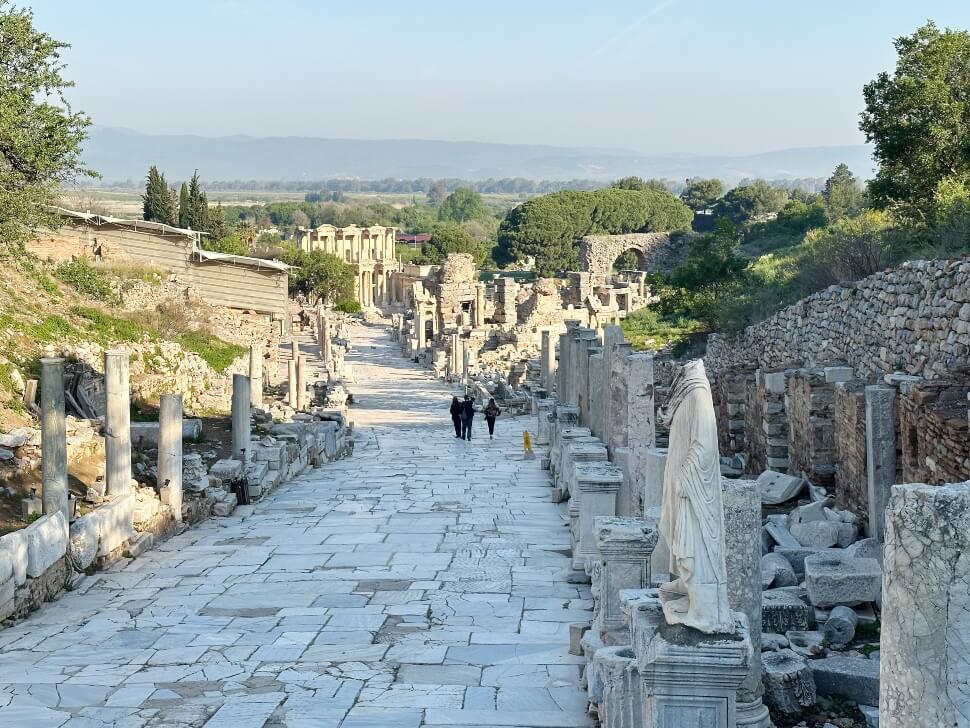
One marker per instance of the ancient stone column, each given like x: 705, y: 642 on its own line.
x: 612, y: 338
x: 291, y: 398
x: 170, y: 450
x: 419, y: 329
x: 588, y: 345
x: 547, y: 362
x: 455, y: 355
x: 880, y: 453
x: 597, y: 391
x: 117, y: 423
x: 294, y: 349
x: 651, y: 496
x: 617, y: 432
x: 256, y: 374
x: 53, y: 437
x: 641, y: 414
x: 466, y: 358
x: 479, y: 310
x: 240, y: 417
x: 742, y: 537
x: 301, y: 382
x: 925, y: 617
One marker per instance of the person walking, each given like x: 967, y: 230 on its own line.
x: 467, y: 415
x: 456, y: 413
x: 491, y: 412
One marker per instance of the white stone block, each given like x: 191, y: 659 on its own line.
x: 46, y: 542
x: 775, y: 382
x: 115, y: 523
x: 13, y: 548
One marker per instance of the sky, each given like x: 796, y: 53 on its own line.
x: 691, y: 76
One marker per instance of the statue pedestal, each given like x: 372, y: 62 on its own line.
x: 689, y: 678
x: 624, y: 546
x: 596, y: 486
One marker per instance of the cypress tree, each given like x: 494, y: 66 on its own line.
x: 157, y: 202
x: 184, y: 206
x: 198, y: 216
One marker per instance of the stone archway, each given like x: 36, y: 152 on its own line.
x: 655, y: 251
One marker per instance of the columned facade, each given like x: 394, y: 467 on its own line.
x: 369, y: 249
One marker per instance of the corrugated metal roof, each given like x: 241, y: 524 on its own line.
x: 243, y: 260
x: 143, y: 224
x: 197, y: 250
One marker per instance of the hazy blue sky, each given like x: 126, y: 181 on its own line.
x: 704, y: 76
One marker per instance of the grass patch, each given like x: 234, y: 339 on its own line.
x: 51, y: 328
x: 133, y: 272
x: 217, y: 353
x: 649, y: 331
x: 106, y: 328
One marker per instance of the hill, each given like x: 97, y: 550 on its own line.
x: 120, y: 154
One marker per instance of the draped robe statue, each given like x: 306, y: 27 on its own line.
x: 692, y: 515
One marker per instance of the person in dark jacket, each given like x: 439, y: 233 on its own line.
x: 467, y: 415
x: 456, y: 412
x: 491, y: 412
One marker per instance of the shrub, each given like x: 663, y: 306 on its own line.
x: 348, y: 306
x: 89, y: 281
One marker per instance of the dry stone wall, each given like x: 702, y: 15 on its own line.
x: 915, y: 318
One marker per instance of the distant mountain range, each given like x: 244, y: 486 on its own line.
x: 121, y: 154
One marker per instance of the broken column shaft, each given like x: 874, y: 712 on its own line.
x: 117, y: 423
x: 170, y: 452
x: 240, y: 417
x: 53, y: 436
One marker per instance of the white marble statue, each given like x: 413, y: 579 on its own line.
x: 692, y: 516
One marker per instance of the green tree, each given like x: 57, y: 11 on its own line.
x: 842, y: 194
x: 157, y: 202
x: 437, y: 194
x: 548, y: 228
x: 462, y: 205
x: 198, y: 217
x: 233, y: 243
x: 710, y: 281
x: 751, y: 201
x: 321, y: 277
x: 415, y: 219
x: 447, y: 238
x: 918, y: 120
x: 951, y: 215
x: 852, y: 248
x: 185, y: 213
x: 638, y: 183
x: 700, y: 194
x: 40, y: 135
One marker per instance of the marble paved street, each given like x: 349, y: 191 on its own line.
x: 418, y: 583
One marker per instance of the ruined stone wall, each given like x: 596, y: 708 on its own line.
x: 810, y: 404
x: 934, y: 434
x: 658, y: 252
x: 851, y: 490
x: 542, y: 304
x: 916, y: 317
x: 765, y: 422
x: 729, y: 401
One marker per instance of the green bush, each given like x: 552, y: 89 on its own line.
x: 217, y: 353
x: 348, y: 306
x: 51, y: 328
x: 85, y: 279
